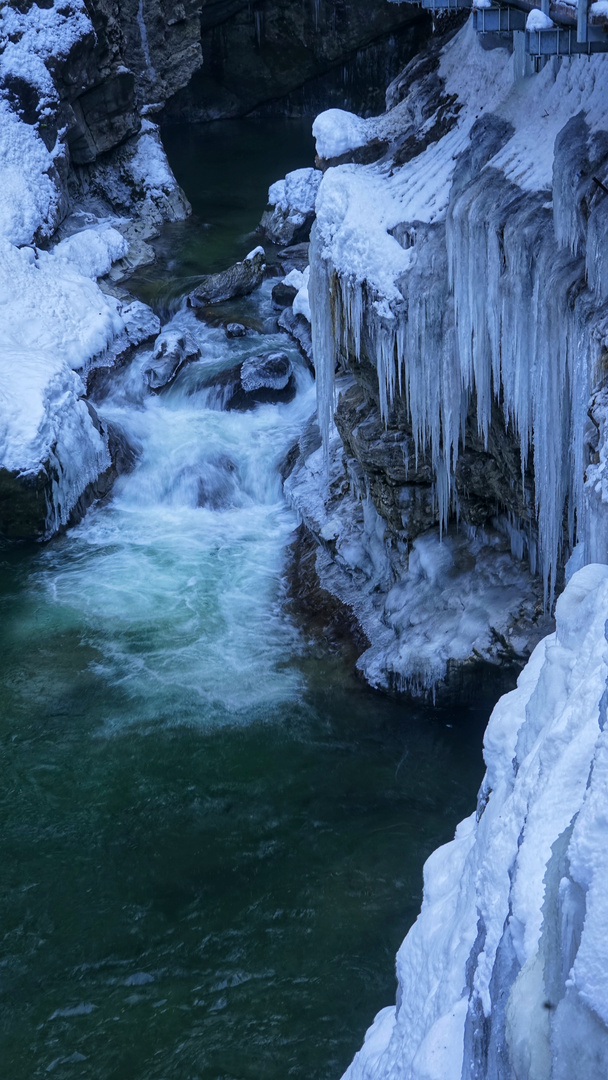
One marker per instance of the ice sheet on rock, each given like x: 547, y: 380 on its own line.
x: 45, y: 422
x: 454, y: 601
x: 451, y: 601
x: 53, y: 319
x: 514, y: 909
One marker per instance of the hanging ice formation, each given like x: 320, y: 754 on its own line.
x: 503, y: 300
x: 143, y: 33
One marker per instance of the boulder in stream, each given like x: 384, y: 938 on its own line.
x: 258, y: 380
x: 172, y: 350
x: 238, y: 280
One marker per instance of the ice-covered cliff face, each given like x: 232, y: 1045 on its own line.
x: 458, y: 283
x: 505, y: 973
x: 467, y: 268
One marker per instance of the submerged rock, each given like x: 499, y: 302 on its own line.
x: 238, y: 280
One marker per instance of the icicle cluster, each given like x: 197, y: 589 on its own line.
x: 494, y: 305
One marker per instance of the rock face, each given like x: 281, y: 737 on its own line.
x: 449, y: 321
x: 296, y: 57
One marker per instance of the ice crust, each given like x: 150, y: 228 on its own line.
x: 458, y: 274
x: 508, y: 958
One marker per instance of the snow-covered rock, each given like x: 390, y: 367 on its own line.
x: 293, y: 207
x: 505, y: 973
x: 336, y: 132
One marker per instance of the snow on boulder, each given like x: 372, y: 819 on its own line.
x: 336, y: 132
x: 92, y: 251
x: 293, y: 207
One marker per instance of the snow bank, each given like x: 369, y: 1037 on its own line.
x: 508, y: 959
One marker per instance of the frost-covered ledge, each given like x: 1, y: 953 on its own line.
x: 505, y: 972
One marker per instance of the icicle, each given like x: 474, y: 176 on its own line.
x: 324, y: 337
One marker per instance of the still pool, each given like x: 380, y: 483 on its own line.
x: 211, y: 834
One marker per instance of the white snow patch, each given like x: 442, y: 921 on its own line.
x: 537, y: 20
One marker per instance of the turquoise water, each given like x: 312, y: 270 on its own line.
x: 211, y: 834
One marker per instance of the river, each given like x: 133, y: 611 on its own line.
x: 212, y: 835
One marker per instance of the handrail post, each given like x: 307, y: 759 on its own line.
x: 582, y: 26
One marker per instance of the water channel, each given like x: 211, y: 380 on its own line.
x: 211, y: 833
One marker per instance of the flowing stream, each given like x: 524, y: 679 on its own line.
x: 211, y: 834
